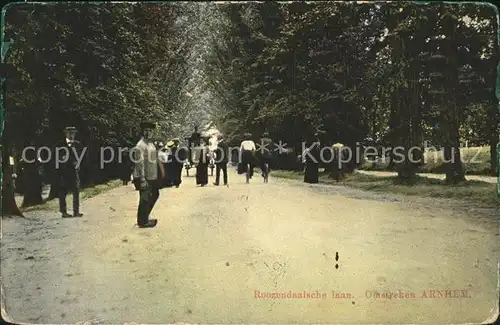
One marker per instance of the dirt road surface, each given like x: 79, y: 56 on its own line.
x: 216, y: 250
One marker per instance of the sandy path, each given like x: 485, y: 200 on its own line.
x: 482, y: 178
x: 214, y: 247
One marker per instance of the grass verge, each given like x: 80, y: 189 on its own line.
x: 85, y: 193
x: 475, y: 192
x: 476, y: 161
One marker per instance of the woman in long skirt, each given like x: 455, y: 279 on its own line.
x: 312, y: 157
x: 163, y: 158
x: 202, y: 166
x: 126, y: 167
x: 178, y: 155
x: 169, y: 163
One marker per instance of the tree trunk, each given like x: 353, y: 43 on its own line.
x: 9, y: 206
x: 53, y: 188
x: 494, y: 109
x: 493, y: 149
x: 454, y: 172
x: 32, y: 185
x: 54, y: 181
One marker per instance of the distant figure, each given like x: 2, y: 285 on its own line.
x: 265, y: 155
x: 146, y: 178
x: 338, y: 158
x: 68, y: 173
x: 247, y: 152
x: 178, y: 158
x: 312, y: 158
x: 163, y: 158
x: 193, y: 141
x: 211, y: 163
x: 221, y: 160
x: 202, y: 165
x: 126, y: 167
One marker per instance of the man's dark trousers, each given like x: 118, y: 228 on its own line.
x: 147, y: 200
x: 219, y: 167
x: 72, y: 184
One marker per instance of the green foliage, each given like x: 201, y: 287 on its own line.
x: 357, y: 70
x: 100, y: 67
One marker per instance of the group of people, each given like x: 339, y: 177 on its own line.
x: 150, y: 175
x: 313, y: 158
x: 250, y: 156
x: 172, y: 158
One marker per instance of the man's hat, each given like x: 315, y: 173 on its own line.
x: 170, y: 143
x: 70, y: 128
x: 148, y: 125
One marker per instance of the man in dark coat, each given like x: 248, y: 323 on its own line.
x: 221, y: 160
x: 69, y: 154
x: 265, y: 153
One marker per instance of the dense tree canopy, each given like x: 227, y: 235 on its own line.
x: 100, y: 67
x: 398, y: 73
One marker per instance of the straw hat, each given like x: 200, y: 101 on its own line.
x: 170, y: 143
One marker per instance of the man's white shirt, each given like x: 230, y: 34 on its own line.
x: 248, y: 145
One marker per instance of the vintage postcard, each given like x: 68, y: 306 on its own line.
x: 250, y: 163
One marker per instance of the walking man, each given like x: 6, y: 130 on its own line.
x: 146, y: 178
x: 221, y: 160
x: 265, y: 155
x: 247, y: 152
x: 68, y: 172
